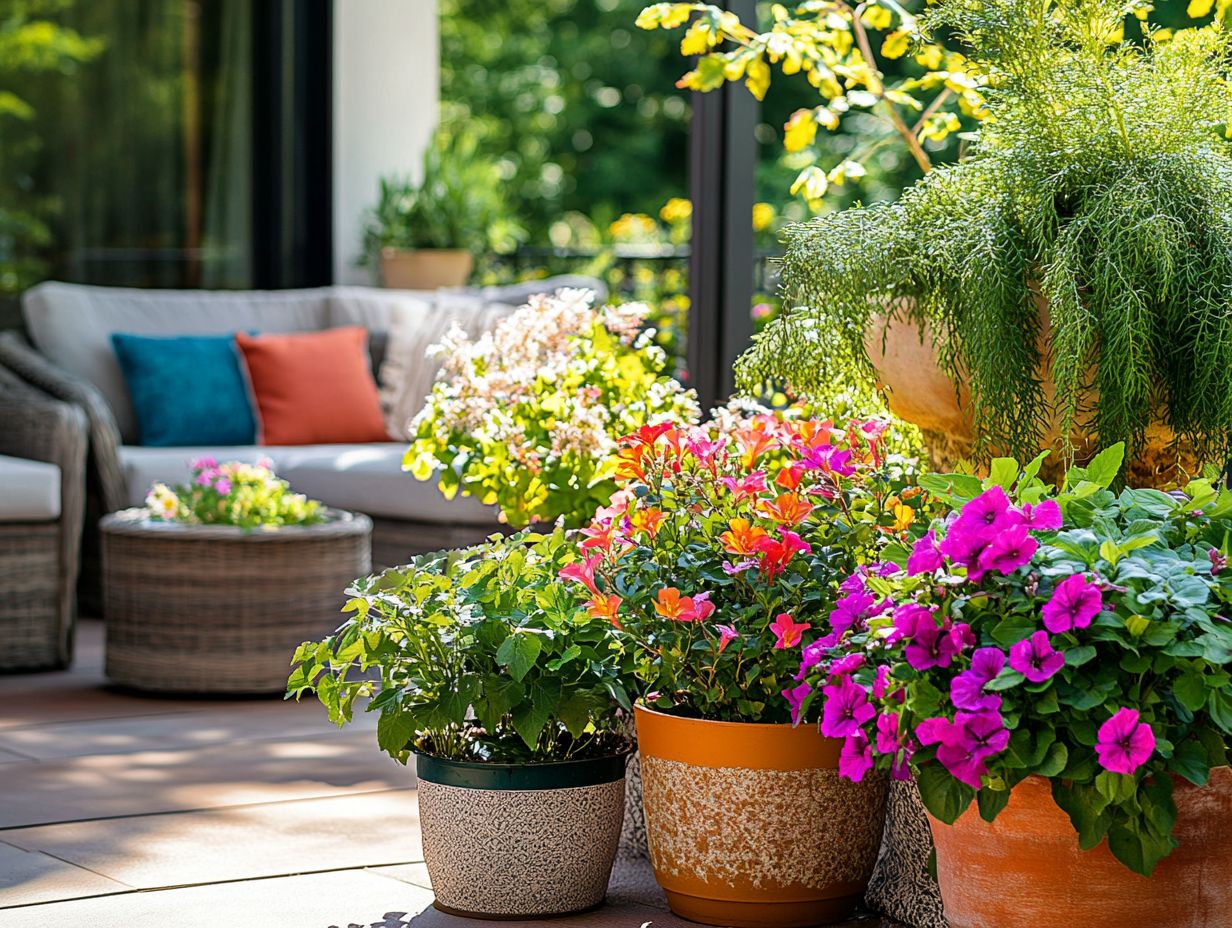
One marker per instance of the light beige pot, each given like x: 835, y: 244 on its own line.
x: 920, y: 392
x: 425, y: 268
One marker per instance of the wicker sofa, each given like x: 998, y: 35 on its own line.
x: 42, y: 491
x: 69, y: 357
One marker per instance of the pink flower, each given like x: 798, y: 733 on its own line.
x: 747, y: 486
x: 582, y: 572
x: 828, y: 459
x: 1008, y: 551
x: 1042, y: 517
x: 847, y: 708
x: 812, y: 655
x: 206, y: 463
x: 727, y: 634
x: 1035, y: 658
x: 1123, y: 743
x: 223, y: 486
x: 787, y: 634
x: 702, y: 608
x: 856, y: 757
x: 777, y: 554
x: 851, y: 610
x: 204, y: 479
x: 795, y: 698
x: 989, y: 510
x: 925, y: 556
x: 930, y: 645
x: 887, y: 733
x: 1074, y: 604
x: 739, y: 567
x: 967, y: 689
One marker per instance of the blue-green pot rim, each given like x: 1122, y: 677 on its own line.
x: 563, y: 774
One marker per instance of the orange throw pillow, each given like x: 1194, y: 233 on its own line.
x: 313, y: 388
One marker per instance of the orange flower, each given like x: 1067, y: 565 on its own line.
x: 742, y: 538
x: 790, y: 476
x: 670, y: 604
x: 903, y: 517
x: 605, y: 606
x: 814, y: 434
x: 788, y: 508
x: 648, y: 520
x: 630, y: 464
x: 753, y: 444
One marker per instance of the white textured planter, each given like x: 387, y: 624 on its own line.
x: 505, y: 841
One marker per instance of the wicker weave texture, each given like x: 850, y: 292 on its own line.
x: 32, y: 627
x: 211, y: 609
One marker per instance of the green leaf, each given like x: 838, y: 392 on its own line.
x: 530, y: 717
x: 945, y: 797
x: 394, y: 731
x: 1002, y: 472
x: 1138, y: 849
x: 1190, y: 690
x: 1106, y: 465
x: 1077, y: 656
x: 518, y: 653
x: 991, y: 802
x: 1054, y: 761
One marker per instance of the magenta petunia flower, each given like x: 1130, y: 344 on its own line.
x: 1042, y: 517
x: 968, y: 742
x: 1008, y: 551
x: 931, y: 645
x: 795, y: 699
x: 910, y: 616
x: 830, y: 460
x: 887, y: 733
x: 856, y: 757
x: 989, y: 510
x: 967, y: 689
x: 1123, y: 744
x: 847, y: 708
x: 925, y: 556
x: 1074, y: 604
x: 1035, y: 658
x: 881, y: 682
x: 811, y: 655
x: 852, y: 610
x: 846, y: 665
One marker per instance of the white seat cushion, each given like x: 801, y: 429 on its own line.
x: 29, y: 490
x: 361, y: 478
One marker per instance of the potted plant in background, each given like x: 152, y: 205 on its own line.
x: 425, y: 233
x: 1068, y: 284
x: 508, y: 694
x: 529, y: 415
x: 1053, y: 668
x: 718, y: 560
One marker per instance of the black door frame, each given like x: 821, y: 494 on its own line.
x: 722, y: 182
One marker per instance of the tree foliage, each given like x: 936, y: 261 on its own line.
x: 1103, y: 179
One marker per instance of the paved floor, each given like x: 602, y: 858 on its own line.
x: 118, y: 811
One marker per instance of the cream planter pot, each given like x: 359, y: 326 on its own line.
x: 425, y: 268
x: 505, y: 841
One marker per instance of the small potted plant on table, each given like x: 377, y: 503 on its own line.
x: 1054, y: 671
x: 207, y: 588
x: 508, y: 695
x: 718, y: 560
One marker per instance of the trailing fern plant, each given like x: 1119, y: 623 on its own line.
x: 1103, y: 181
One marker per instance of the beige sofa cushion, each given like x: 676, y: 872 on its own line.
x: 72, y: 325
x: 361, y: 478
x: 29, y: 490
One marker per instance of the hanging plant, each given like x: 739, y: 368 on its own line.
x: 1099, y: 189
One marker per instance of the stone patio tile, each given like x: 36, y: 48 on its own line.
x: 30, y: 876
x: 231, y: 774
x: 370, y: 829
x: 254, y: 722
x: 351, y: 898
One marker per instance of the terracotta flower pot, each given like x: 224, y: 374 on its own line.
x: 920, y: 392
x: 750, y: 826
x: 505, y: 841
x: 1025, y: 870
x: 425, y: 268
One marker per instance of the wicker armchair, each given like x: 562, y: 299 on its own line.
x: 39, y: 559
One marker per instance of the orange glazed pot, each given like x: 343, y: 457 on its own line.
x: 1025, y: 870
x: 749, y: 825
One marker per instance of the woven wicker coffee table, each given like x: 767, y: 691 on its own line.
x: 214, y: 609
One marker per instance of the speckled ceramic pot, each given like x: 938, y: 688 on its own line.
x: 505, y: 841
x: 1025, y: 869
x: 750, y: 825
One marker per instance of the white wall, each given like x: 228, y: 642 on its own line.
x: 386, y: 87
